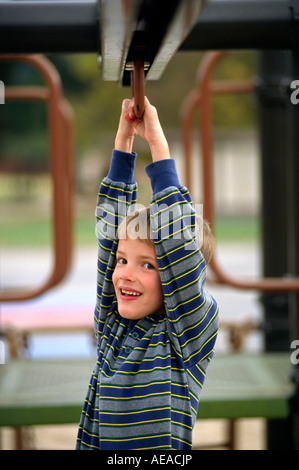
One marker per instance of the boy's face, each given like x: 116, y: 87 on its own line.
x: 136, y: 280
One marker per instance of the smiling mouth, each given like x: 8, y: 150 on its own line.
x: 129, y: 293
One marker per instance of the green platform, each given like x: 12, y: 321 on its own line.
x: 247, y: 386
x: 52, y: 392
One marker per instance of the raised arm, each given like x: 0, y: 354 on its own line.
x: 191, y: 311
x: 117, y: 192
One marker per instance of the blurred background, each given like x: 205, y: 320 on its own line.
x: 96, y: 104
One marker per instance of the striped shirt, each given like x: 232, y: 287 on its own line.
x: 145, y: 387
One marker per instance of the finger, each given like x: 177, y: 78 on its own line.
x: 149, y: 107
x: 129, y: 118
x: 131, y: 109
x: 125, y: 105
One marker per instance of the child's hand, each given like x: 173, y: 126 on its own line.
x: 126, y: 129
x: 148, y: 128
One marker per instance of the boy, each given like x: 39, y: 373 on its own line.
x: 155, y: 323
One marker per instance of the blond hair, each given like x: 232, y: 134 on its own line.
x: 137, y: 226
x: 206, y: 239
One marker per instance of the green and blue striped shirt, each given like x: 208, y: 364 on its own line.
x: 146, y: 384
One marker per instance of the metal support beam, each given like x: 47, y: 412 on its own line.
x: 245, y: 24
x: 279, y: 121
x: 147, y: 30
x: 272, y: 86
x: 117, y: 22
x: 293, y: 247
x: 75, y: 26
x: 49, y: 26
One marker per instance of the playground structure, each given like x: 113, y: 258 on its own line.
x: 60, y: 138
x: 147, y: 37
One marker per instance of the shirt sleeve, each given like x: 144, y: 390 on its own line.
x: 117, y: 192
x: 192, y: 313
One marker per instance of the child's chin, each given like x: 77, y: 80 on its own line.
x: 130, y: 315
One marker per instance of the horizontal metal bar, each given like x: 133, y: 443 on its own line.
x: 26, y: 93
x: 245, y: 24
x: 49, y: 26
x: 74, y: 26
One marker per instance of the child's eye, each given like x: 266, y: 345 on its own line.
x: 148, y: 266
x: 121, y: 260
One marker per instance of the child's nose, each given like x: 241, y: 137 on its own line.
x: 128, y: 272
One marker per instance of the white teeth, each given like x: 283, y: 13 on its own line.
x: 128, y: 292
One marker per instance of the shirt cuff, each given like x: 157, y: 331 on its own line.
x: 122, y: 166
x: 162, y: 174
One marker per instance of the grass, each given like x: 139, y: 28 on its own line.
x: 237, y: 229
x: 25, y: 215
x: 38, y: 233
x: 17, y: 233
